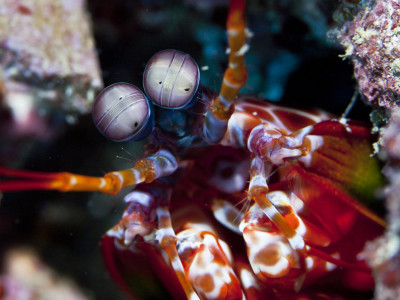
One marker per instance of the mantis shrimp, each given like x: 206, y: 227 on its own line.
x: 299, y: 229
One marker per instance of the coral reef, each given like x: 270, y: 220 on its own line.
x: 384, y: 254
x: 47, y: 54
x: 372, y: 42
x: 49, y: 71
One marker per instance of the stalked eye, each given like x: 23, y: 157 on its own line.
x: 122, y: 112
x: 171, y: 79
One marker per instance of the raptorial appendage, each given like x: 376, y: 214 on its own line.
x: 201, y: 261
x: 296, y: 153
x: 271, y: 256
x: 138, y: 219
x: 271, y: 144
x: 275, y: 146
x: 208, y: 262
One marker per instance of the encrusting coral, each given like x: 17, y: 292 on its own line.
x: 372, y: 42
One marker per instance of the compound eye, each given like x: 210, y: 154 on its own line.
x: 122, y: 112
x: 171, y: 79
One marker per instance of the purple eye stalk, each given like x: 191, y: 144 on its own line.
x: 122, y: 112
x: 172, y: 79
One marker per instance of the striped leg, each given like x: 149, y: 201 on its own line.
x: 208, y: 263
x: 258, y: 190
x: 221, y: 108
x: 160, y: 164
x: 167, y: 239
x: 271, y: 256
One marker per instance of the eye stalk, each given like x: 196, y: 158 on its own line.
x: 172, y: 79
x: 121, y: 112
